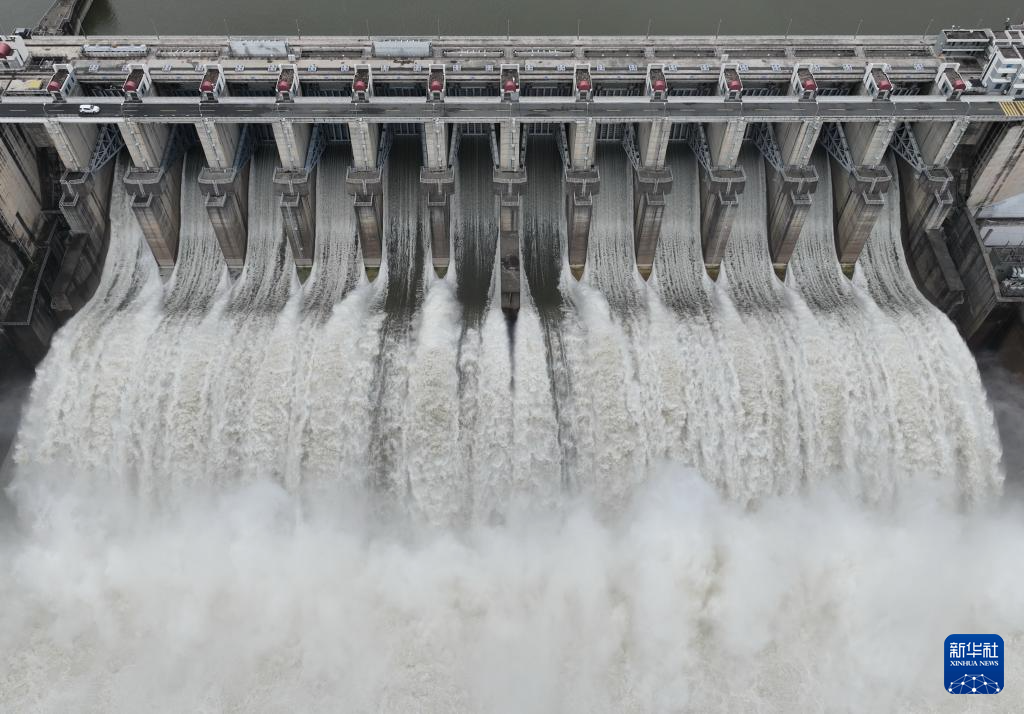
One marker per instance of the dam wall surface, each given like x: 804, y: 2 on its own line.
x: 401, y: 372
x: 941, y: 114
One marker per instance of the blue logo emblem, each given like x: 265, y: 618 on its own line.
x: 974, y: 664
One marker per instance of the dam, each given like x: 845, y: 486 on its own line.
x: 505, y: 374
x: 941, y: 111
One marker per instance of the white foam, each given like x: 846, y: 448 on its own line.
x: 202, y: 466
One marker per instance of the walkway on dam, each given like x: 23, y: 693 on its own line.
x: 176, y: 109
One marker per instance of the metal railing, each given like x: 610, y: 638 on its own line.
x: 833, y: 140
x: 905, y: 145
x: 764, y: 139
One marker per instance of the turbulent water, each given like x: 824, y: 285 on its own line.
x: 677, y: 495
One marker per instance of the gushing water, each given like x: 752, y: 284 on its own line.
x: 674, y: 495
x: 337, y: 265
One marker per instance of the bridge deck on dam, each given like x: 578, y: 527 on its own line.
x: 920, y: 78
x: 538, y: 110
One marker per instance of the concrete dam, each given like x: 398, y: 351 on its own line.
x: 937, y: 115
x: 390, y: 373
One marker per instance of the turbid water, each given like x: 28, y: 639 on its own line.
x: 256, y: 494
x: 393, y: 17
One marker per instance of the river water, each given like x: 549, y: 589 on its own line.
x: 255, y: 494
x: 601, y: 17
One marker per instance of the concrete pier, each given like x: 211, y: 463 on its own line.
x: 579, y: 208
x: 792, y: 181
x: 154, y: 181
x: 797, y: 140
x: 510, y: 137
x: 789, y: 200
x: 510, y: 207
x: 582, y: 182
x: 145, y: 142
x: 927, y: 201
x: 292, y: 140
x: 74, y: 143
x: 295, y: 185
x: 365, y: 141
x: 869, y: 141
x: 365, y: 184
x: 296, y: 191
x: 85, y: 183
x: 719, y: 196
x: 219, y: 142
x: 720, y: 185
x: 85, y: 199
x: 860, y: 194
x: 859, y: 187
x: 859, y: 199
x: 725, y: 139
x: 435, y: 145
x: 648, y: 210
x: 582, y: 143
x: 225, y: 186
x: 509, y: 178
x: 226, y: 197
x: 938, y: 140
x: 438, y: 175
x: 438, y: 180
x: 156, y: 203
x: 84, y: 204
x: 652, y: 181
x: 927, y: 188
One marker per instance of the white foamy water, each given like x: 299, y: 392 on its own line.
x: 682, y: 495
x: 683, y: 601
